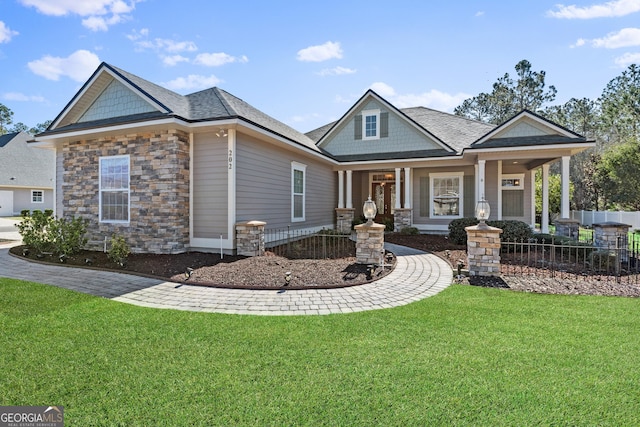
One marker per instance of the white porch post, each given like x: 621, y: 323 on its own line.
x: 481, y: 165
x: 564, y: 211
x: 499, y: 190
x: 407, y: 188
x: 349, y: 189
x: 544, y: 227
x: 340, y: 189
x: 398, y: 193
x: 533, y: 199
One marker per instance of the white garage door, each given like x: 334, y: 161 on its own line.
x: 6, y: 203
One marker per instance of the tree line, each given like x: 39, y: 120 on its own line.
x: 604, y: 177
x: 6, y: 122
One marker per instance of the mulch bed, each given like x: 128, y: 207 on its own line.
x: 269, y: 271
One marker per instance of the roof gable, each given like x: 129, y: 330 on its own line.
x: 527, y: 128
x: 402, y: 134
x: 23, y: 165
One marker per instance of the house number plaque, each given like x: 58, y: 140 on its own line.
x: 230, y: 159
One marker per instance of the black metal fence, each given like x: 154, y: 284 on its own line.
x: 299, y: 244
x: 572, y: 260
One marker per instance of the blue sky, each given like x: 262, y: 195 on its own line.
x: 306, y: 63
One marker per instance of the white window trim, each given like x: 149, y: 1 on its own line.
x: 39, y: 191
x: 519, y: 176
x: 460, y: 176
x: 366, y: 113
x: 128, y: 190
x: 295, y: 166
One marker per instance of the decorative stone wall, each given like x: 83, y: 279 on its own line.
x: 250, y: 238
x: 402, y: 218
x: 159, y: 189
x: 344, y: 219
x: 568, y: 228
x: 483, y: 250
x: 369, y: 243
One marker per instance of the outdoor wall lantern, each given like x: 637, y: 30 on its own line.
x: 482, y: 211
x: 369, y: 210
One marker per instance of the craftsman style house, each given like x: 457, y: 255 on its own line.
x: 26, y: 175
x: 174, y: 173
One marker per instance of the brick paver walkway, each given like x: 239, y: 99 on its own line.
x: 417, y: 275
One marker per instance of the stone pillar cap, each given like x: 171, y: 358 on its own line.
x: 611, y: 224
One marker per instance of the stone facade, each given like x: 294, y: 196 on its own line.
x: 250, y: 238
x: 344, y: 219
x: 369, y: 243
x: 483, y: 250
x: 402, y: 218
x: 612, y: 235
x: 159, y: 189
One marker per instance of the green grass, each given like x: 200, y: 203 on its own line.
x: 468, y: 356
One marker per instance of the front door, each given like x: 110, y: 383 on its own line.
x: 384, y: 194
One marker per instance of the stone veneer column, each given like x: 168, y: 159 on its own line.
x: 483, y: 250
x: 250, y: 238
x: 369, y: 243
x: 568, y: 228
x: 401, y: 218
x: 612, y: 235
x: 344, y: 219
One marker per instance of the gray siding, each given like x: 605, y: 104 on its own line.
x: 263, y: 186
x: 401, y: 136
x: 22, y: 200
x: 210, y: 189
x: 59, y: 181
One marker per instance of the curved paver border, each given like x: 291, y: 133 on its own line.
x: 417, y: 275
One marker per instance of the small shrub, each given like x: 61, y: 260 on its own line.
x: 409, y: 231
x: 119, y: 250
x: 25, y: 213
x: 68, y: 235
x: 512, y: 230
x: 604, y: 260
x: 389, y: 224
x: 35, y: 231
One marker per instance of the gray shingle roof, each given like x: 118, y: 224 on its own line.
x: 30, y: 166
x: 455, y: 131
x: 526, y: 141
x: 206, y: 105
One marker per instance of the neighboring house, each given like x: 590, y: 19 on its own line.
x: 175, y: 173
x: 26, y: 175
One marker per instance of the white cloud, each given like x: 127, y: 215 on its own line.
x: 623, y: 38
x: 480, y: 13
x: 167, y: 45
x: 435, y: 99
x: 383, y: 89
x: 6, y: 33
x: 98, y: 14
x: 320, y: 53
x: 137, y: 35
x: 337, y: 71
x: 606, y: 10
x: 174, y: 60
x: 218, y: 59
x: 193, y: 82
x: 21, y: 97
x: 627, y: 59
x: 78, y: 66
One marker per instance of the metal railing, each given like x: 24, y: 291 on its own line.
x: 571, y: 260
x: 299, y: 244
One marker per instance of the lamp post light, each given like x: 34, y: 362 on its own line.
x: 482, y: 212
x: 369, y: 210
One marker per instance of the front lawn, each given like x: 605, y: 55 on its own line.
x: 468, y: 356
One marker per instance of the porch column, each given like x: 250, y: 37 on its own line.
x: 340, y: 189
x: 544, y: 227
x: 398, y: 193
x: 533, y: 198
x: 407, y: 188
x: 564, y: 210
x: 499, y: 190
x: 481, y: 165
x: 349, y: 189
